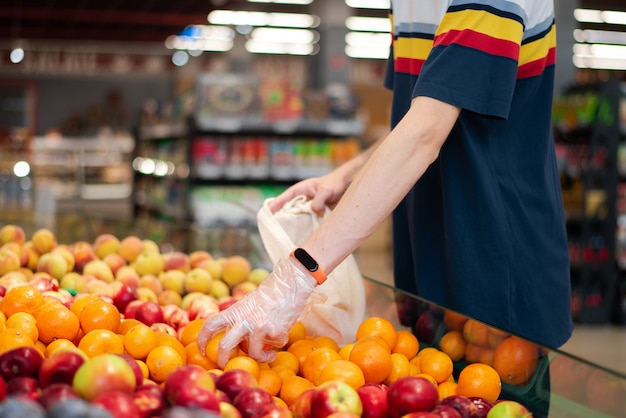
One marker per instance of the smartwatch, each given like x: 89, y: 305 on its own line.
x: 310, y: 264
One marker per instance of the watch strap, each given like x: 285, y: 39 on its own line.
x: 310, y: 264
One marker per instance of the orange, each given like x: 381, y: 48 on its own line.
x: 479, y: 380
x: 400, y: 367
x: 344, y: 351
x: 476, y: 332
x: 414, y: 365
x: 297, y: 332
x: 57, y: 322
x: 378, y: 327
x: 11, y: 338
x: 163, y: 338
x: 427, y: 350
x: 212, y: 346
x: 195, y: 356
x: 190, y: 331
x: 60, y: 344
x: 373, y: 359
x: 139, y: 341
x: 495, y: 337
x: 438, y: 365
x: 429, y: 378
x: 292, y: 387
x: 82, y: 300
x: 453, y: 344
x: 283, y: 371
x: 486, y: 356
x: 3, y: 321
x: 454, y: 321
x: 243, y: 362
x: 447, y: 388
x: 162, y: 361
x: 344, y: 370
x: 144, y: 369
x: 287, y: 359
x: 473, y: 353
x: 515, y: 360
x: 101, y: 341
x: 21, y: 299
x: 126, y: 324
x: 316, y: 360
x: 24, y: 322
x: 406, y: 343
x: 302, y: 348
x: 324, y: 341
x: 102, y: 315
x: 270, y: 381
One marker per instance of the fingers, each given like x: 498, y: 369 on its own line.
x: 210, y: 327
x: 259, y: 351
x: 230, y: 343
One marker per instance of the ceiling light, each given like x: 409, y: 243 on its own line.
x: 287, y: 20
x: 600, y: 16
x: 368, y: 24
x: 17, y: 55
x: 600, y: 36
x: 294, y: 36
x: 282, y: 1
x: 367, y: 45
x: 369, y: 4
x: 180, y: 58
x: 259, y: 47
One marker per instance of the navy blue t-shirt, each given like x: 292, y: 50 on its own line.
x: 483, y: 231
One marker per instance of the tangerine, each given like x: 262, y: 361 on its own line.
x: 400, y: 367
x: 515, y: 360
x: 195, y: 356
x: 100, y: 315
x: 162, y: 361
x: 21, y: 299
x: 212, y: 347
x: 57, y: 322
x: 101, y: 341
x: 453, y: 344
x: 25, y: 322
x: 406, y: 343
x: 325, y: 341
x: 287, y: 359
x: 344, y: 351
x: 292, y: 387
x: 269, y: 380
x: 302, y: 348
x: 139, y: 341
x: 476, y: 332
x: 378, y: 327
x: 245, y: 363
x: 479, y: 380
x: 454, y: 321
x: 344, y: 370
x: 83, y: 299
x: 437, y: 364
x: 297, y: 332
x: 373, y: 359
x: 165, y: 339
x: 11, y: 338
x: 447, y: 388
x: 315, y: 362
x: 190, y: 331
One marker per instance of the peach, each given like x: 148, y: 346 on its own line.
x: 213, y: 266
x: 130, y: 247
x: 235, y: 269
x: 72, y: 281
x: 198, y: 280
x: 33, y: 255
x: 128, y: 276
x: 173, y: 280
x: 12, y: 233
x: 219, y: 289
x: 105, y: 244
x: 177, y: 260
x: 151, y: 282
x: 83, y: 254
x: 150, y: 246
x: 13, y: 279
x: 149, y: 262
x: 257, y: 275
x: 114, y: 261
x: 9, y: 261
x: 19, y: 250
x: 52, y: 263
x: 99, y: 287
x: 44, y: 240
x: 188, y: 298
x: 196, y: 258
x: 243, y: 288
x: 144, y: 294
x: 100, y: 270
x: 169, y: 297
x: 68, y: 255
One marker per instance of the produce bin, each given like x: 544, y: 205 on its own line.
x: 559, y: 385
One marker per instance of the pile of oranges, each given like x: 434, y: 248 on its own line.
x: 467, y: 339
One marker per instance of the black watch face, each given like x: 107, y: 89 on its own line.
x: 305, y: 259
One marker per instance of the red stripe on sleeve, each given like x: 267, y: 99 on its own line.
x: 479, y: 41
x: 408, y: 65
x: 534, y: 68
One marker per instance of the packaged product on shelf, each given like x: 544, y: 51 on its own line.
x: 209, y: 157
x: 281, y: 159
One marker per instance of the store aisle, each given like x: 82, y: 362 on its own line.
x: 603, y: 345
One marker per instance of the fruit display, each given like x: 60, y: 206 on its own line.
x: 108, y: 329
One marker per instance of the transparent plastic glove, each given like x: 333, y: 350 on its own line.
x: 264, y: 316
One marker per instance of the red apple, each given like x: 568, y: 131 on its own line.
x: 191, y: 386
x: 446, y: 411
x: 20, y: 361
x: 374, y: 399
x: 102, y: 374
x: 119, y: 404
x: 149, y: 312
x: 335, y: 396
x: 149, y: 399
x: 60, y: 367
x: 421, y: 414
x: 509, y: 409
x: 483, y: 405
x: 232, y: 381
x: 135, y: 366
x: 226, y: 303
x: 301, y: 408
x: 4, y: 391
x: 125, y: 295
x: 464, y: 405
x: 253, y: 402
x: 411, y: 394
x: 426, y: 327
x: 131, y: 308
x: 56, y: 392
x: 24, y: 386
